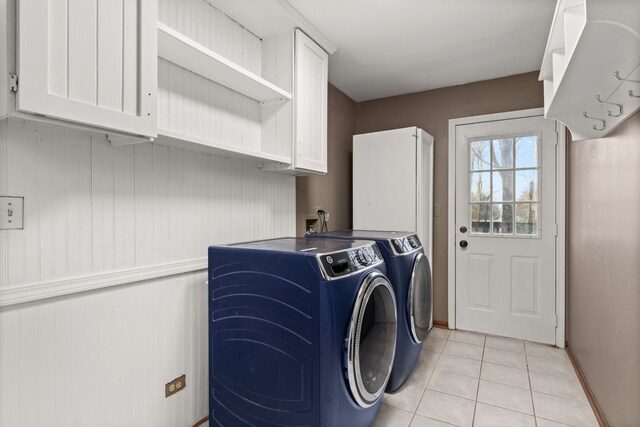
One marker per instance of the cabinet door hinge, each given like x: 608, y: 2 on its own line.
x: 13, y: 82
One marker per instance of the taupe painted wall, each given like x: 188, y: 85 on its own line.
x: 431, y: 111
x: 332, y: 192
x: 604, y: 268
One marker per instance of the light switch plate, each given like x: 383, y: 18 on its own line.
x: 11, y: 213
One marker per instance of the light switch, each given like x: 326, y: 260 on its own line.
x: 11, y: 213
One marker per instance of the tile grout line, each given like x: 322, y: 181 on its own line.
x: 484, y: 347
x: 533, y: 405
x: 424, y: 390
x: 475, y: 404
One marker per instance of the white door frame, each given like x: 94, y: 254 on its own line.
x: 560, y: 211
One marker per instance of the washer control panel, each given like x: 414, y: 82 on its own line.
x: 406, y: 244
x: 346, y: 262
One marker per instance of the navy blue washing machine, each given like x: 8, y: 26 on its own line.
x: 410, y: 274
x: 301, y: 332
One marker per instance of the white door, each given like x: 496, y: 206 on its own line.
x: 506, y: 228
x: 310, y: 100
x: 89, y: 62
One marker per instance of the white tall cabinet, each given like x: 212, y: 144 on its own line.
x: 393, y: 183
x: 86, y: 62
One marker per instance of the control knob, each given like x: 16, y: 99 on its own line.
x: 363, y: 257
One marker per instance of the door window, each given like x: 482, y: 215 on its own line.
x: 504, y: 193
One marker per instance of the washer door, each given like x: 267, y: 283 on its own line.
x: 420, y: 299
x: 372, y: 340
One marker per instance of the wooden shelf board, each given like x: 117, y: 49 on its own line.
x: 189, y: 142
x: 185, y: 52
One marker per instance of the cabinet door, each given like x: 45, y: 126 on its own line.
x: 90, y: 62
x: 310, y: 104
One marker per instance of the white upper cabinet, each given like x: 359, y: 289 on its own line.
x: 211, y: 90
x: 89, y: 62
x: 299, y: 131
x: 182, y: 72
x: 310, y: 105
x: 591, y: 65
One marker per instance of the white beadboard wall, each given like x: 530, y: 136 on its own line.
x: 194, y: 106
x: 101, y: 358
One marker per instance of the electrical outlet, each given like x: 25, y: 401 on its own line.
x: 310, y: 221
x: 175, y: 386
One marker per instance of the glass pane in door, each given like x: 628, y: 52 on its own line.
x: 480, y: 155
x: 502, y: 218
x: 527, y: 218
x: 502, y: 153
x: 481, y: 218
x: 502, y: 184
x: 480, y: 186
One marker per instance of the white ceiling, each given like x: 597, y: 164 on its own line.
x: 393, y: 47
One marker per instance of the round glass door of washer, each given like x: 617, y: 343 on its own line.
x: 372, y: 340
x: 420, y: 299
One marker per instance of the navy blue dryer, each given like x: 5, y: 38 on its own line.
x: 301, y: 332
x: 410, y: 274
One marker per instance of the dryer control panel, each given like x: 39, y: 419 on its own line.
x: 406, y: 244
x: 343, y: 263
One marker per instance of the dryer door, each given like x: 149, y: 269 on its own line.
x: 372, y: 340
x: 420, y: 299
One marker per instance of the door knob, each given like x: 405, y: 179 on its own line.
x: 464, y: 244
x: 463, y: 229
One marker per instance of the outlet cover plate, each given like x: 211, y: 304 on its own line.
x: 11, y: 213
x: 175, y: 386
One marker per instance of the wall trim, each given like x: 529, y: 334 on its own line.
x: 597, y: 409
x: 67, y: 286
x: 202, y: 421
x: 443, y: 324
x: 560, y: 212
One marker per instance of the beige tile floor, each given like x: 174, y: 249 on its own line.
x: 469, y: 379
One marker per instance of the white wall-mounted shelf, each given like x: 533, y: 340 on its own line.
x: 174, y: 139
x: 185, y: 52
x: 589, y: 41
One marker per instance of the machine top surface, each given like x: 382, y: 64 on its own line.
x: 371, y: 234
x: 300, y: 244
x: 336, y: 257
x: 402, y: 242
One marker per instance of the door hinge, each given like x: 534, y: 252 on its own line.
x: 13, y: 83
x: 556, y: 316
x: 557, y: 230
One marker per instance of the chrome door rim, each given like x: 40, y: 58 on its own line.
x: 358, y: 389
x: 412, y: 285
